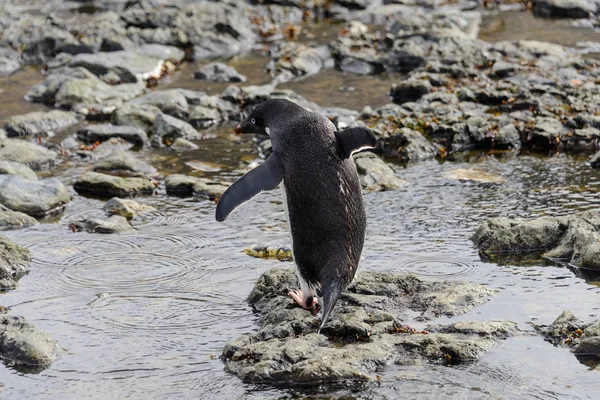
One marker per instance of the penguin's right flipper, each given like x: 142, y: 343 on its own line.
x: 266, y: 176
x: 355, y: 139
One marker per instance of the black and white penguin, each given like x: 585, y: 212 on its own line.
x: 321, y: 194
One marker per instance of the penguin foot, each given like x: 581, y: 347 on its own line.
x: 308, y: 302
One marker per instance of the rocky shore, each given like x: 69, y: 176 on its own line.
x: 111, y: 111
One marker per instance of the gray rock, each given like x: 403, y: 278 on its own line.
x: 24, y: 344
x: 102, y: 132
x: 45, y: 91
x: 183, y: 185
x: 374, y: 173
x: 292, y: 60
x: 9, y: 61
x: 127, y: 208
x: 170, y: 101
x: 113, y: 224
x: 34, y: 156
x: 410, y: 90
x: 35, y: 198
x: 15, y: 168
x: 167, y: 128
x: 564, y: 8
x: 94, y: 91
x: 140, y: 115
x: 545, y: 132
x: 219, y: 72
x: 2, y: 134
x: 589, y: 346
x: 39, y: 123
x: 595, y: 160
x: 14, y: 263
x: 124, y: 163
x: 109, y: 185
x: 572, y: 238
x: 410, y: 146
x: 181, y: 144
x: 10, y: 220
x: 134, y: 65
x: 363, y: 335
x: 203, y: 117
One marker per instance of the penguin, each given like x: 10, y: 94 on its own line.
x: 321, y: 194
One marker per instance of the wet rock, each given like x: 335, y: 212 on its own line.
x: 134, y: 65
x: 410, y: 90
x: 172, y: 102
x: 114, y: 224
x: 10, y: 220
x: 594, y: 160
x: 103, y: 132
x: 39, y: 123
x: 93, y: 91
x: 546, y: 132
x: 108, y: 185
x: 24, y: 344
x: 14, y: 263
x: 219, y: 72
x: 374, y: 173
x: 34, y: 156
x: 184, y: 185
x: 363, y: 335
x: 473, y: 175
x: 36, y: 198
x: 181, y: 144
x: 45, y: 91
x: 574, y: 238
x: 140, y: 115
x: 103, y: 150
x: 15, y: 168
x: 203, y: 117
x: 124, y: 163
x: 9, y: 61
x: 410, y: 146
x: 565, y: 8
x: 127, y: 208
x: 279, y: 253
x: 293, y: 60
x: 167, y: 128
x: 569, y: 331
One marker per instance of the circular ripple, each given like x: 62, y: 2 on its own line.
x: 439, y: 268
x: 179, y: 313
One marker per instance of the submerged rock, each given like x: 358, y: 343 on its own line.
x: 113, y: 224
x: 280, y: 253
x: 473, y: 175
x: 10, y: 219
x: 109, y: 185
x: 363, y: 335
x: 374, y: 173
x: 181, y: 144
x: 16, y: 168
x: 184, y: 185
x: 219, y: 72
x: 24, y: 344
x: 34, y: 156
x: 102, y: 132
x: 574, y: 238
x: 14, y: 263
x: 39, y: 123
x: 127, y: 208
x: 35, y: 198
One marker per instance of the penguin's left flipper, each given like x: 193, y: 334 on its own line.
x: 355, y: 139
x: 266, y: 176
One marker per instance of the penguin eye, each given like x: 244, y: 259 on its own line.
x: 253, y: 121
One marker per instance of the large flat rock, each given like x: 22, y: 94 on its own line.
x: 109, y: 185
x: 34, y: 156
x: 364, y: 333
x: 40, y: 123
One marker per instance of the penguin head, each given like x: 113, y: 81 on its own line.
x: 267, y: 115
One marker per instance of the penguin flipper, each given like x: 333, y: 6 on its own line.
x: 266, y: 176
x: 355, y: 139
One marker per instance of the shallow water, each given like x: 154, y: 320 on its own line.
x: 150, y: 311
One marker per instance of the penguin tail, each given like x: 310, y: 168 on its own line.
x: 331, y: 293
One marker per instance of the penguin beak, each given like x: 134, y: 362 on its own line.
x: 238, y: 130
